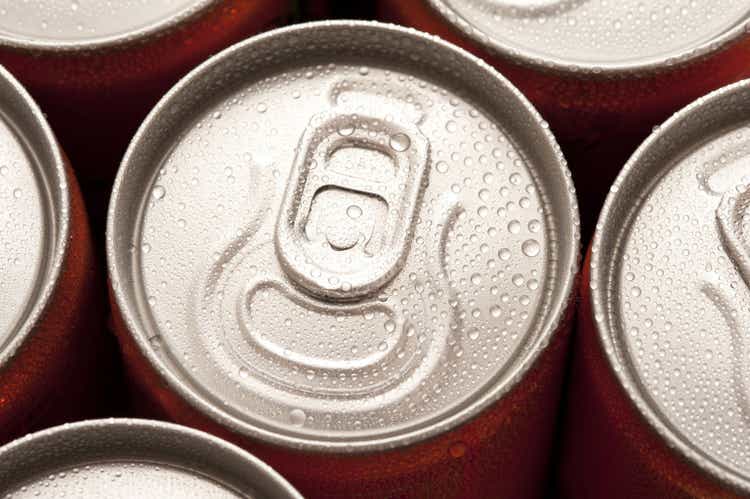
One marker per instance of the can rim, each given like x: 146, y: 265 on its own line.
x: 184, y: 433
x: 597, y: 289
x: 112, y: 41
x: 556, y: 313
x: 544, y: 63
x: 61, y: 215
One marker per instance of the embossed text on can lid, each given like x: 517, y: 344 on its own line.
x: 134, y: 458
x: 599, y: 36
x: 75, y: 24
x: 34, y: 215
x: 669, y: 282
x: 343, y: 235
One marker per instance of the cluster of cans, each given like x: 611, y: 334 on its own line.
x: 347, y: 253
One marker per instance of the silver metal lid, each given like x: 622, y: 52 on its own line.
x: 125, y: 458
x: 65, y: 24
x: 670, y: 282
x: 343, y: 235
x: 599, y: 36
x: 33, y: 214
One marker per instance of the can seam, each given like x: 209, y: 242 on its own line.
x: 61, y: 241
x: 113, y: 42
x: 599, y: 71
x: 182, y: 431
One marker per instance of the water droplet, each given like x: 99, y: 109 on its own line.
x: 390, y: 326
x: 16, y: 193
x: 400, y: 142
x: 530, y: 247
x: 159, y: 192
x: 244, y: 372
x: 354, y: 211
x: 297, y: 417
x: 345, y: 129
x: 441, y: 166
x: 457, y: 450
x: 495, y: 311
x: 155, y: 341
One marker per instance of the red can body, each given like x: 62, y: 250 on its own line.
x: 59, y: 374
x: 598, y: 119
x: 95, y: 98
x: 634, y: 461
x: 55, y: 359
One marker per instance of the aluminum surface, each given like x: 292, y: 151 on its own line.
x: 321, y: 243
x: 670, y: 282
x: 61, y: 24
x: 125, y: 458
x: 599, y: 36
x: 33, y: 214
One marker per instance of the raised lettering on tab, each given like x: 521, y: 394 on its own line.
x: 344, y: 228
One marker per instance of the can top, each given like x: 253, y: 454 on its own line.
x: 670, y: 277
x: 123, y: 458
x: 599, y: 36
x: 74, y: 24
x: 33, y: 214
x: 343, y: 235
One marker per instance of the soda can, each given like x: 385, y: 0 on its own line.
x: 659, y: 401
x: 602, y: 73
x: 134, y: 458
x: 351, y: 247
x: 96, y: 67
x: 50, y: 311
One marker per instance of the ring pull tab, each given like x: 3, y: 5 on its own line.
x: 345, y: 225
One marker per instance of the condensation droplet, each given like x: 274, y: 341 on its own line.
x: 297, y: 417
x: 530, y: 247
x: 354, y: 211
x: 400, y: 142
x: 159, y: 192
x: 457, y: 450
